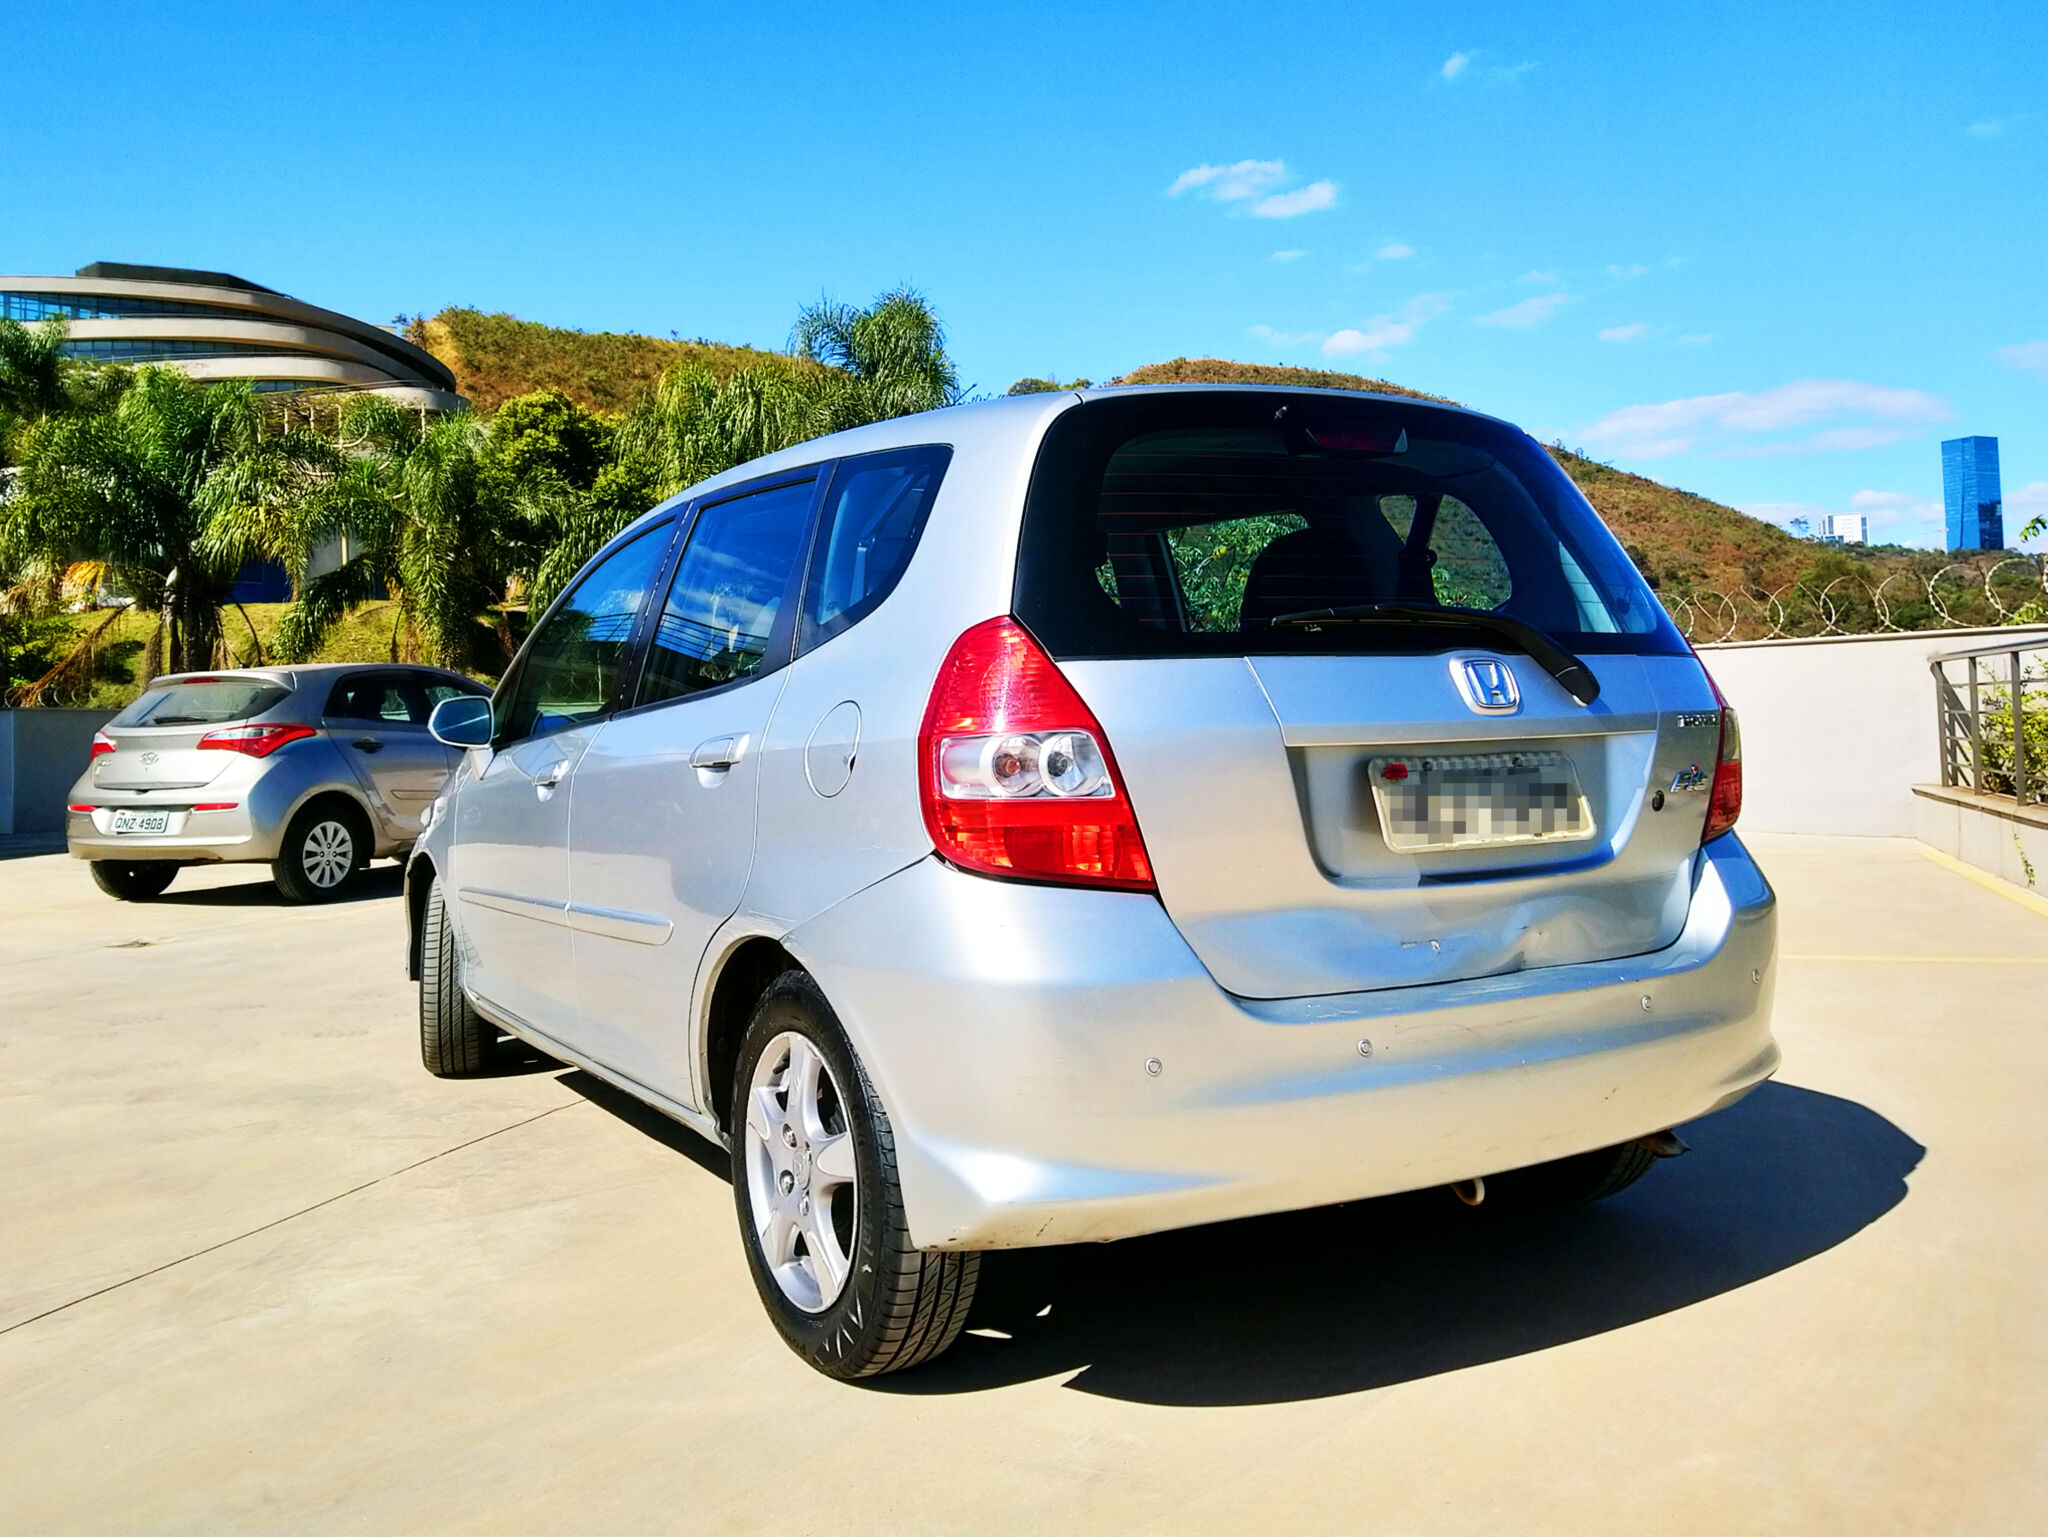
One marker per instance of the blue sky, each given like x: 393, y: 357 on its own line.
x: 1771, y: 253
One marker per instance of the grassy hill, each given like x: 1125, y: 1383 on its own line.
x: 496, y: 357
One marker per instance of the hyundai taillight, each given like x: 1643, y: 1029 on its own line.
x: 255, y: 741
x: 1724, y: 801
x: 1015, y: 774
x: 101, y: 743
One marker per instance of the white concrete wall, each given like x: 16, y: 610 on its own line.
x: 2012, y: 847
x: 42, y: 753
x: 1837, y: 731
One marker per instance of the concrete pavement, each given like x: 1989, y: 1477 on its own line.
x: 258, y: 1272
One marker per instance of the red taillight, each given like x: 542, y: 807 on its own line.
x: 101, y: 742
x: 215, y: 806
x: 1015, y: 773
x: 256, y: 741
x: 1724, y: 801
x: 78, y: 808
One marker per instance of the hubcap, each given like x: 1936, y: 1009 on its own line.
x: 800, y: 1173
x: 329, y: 855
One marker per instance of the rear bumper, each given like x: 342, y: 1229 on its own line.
x: 1014, y: 1031
x: 199, y: 836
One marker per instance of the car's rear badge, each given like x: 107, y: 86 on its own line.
x: 1486, y: 684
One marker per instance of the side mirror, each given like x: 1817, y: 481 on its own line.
x: 464, y: 721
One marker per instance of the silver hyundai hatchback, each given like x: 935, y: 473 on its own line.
x: 313, y: 770
x: 1101, y: 812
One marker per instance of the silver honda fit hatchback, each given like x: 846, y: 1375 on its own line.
x: 311, y: 769
x: 1101, y: 812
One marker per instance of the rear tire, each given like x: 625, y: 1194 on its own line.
x: 322, y: 852
x: 814, y: 1178
x: 455, y: 1040
x: 1576, y: 1181
x: 139, y: 880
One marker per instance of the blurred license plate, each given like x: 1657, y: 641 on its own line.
x: 1430, y: 802
x: 142, y: 821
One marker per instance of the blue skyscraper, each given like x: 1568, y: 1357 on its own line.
x: 1969, y: 487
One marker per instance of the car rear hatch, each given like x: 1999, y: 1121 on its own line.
x: 1343, y: 782
x: 156, y: 739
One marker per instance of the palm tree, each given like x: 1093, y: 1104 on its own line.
x: 891, y: 357
x: 418, y: 522
x: 132, y: 493
x: 31, y: 375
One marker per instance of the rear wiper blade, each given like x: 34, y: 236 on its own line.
x: 1572, y: 675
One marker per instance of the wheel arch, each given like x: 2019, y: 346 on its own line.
x: 420, y: 874
x: 744, y: 972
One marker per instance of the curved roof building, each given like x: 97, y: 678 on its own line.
x: 214, y: 326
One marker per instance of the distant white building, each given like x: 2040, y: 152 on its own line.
x: 1845, y: 528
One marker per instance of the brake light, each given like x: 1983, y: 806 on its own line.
x: 1724, y: 801
x: 1015, y: 774
x: 255, y: 741
x: 101, y: 743
x: 215, y: 806
x: 78, y: 808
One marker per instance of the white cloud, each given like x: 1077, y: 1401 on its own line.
x: 1891, y: 517
x: 2027, y: 357
x: 1286, y: 205
x: 1633, y: 270
x: 1253, y: 182
x: 1231, y: 183
x: 1397, y: 252
x: 1539, y: 277
x: 1382, y: 332
x: 1288, y: 256
x: 1454, y: 66
x: 1635, y: 331
x: 1746, y: 423
x: 1502, y: 74
x: 1285, y: 338
x: 1527, y: 315
x: 1990, y: 128
x: 1697, y: 339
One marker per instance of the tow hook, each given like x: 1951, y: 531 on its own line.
x: 1665, y: 1144
x: 1470, y: 1191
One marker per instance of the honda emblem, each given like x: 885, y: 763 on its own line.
x: 1488, y: 686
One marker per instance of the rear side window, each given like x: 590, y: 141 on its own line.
x: 874, y: 513
x: 207, y: 702
x: 719, y: 623
x: 386, y: 700
x: 1192, y: 525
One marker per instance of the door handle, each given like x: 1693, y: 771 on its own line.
x: 367, y: 744
x: 721, y: 752
x: 548, y: 778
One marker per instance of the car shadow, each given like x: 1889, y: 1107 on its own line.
x: 1310, y: 1304
x: 379, y: 883
x: 650, y: 1122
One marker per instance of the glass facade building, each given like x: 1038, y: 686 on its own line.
x: 215, y: 326
x: 1974, y: 506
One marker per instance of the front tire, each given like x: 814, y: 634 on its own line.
x: 820, y: 1207
x: 323, y: 851
x: 141, y: 880
x: 455, y: 1040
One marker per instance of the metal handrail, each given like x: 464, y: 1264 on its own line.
x: 1983, y: 742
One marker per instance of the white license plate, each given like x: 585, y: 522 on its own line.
x: 1431, y: 802
x: 142, y: 821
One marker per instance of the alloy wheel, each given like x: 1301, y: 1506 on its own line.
x: 328, y: 855
x: 801, y: 1172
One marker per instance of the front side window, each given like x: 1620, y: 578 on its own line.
x: 571, y: 667
x: 873, y: 516
x: 383, y: 700
x: 1196, y: 525
x: 719, y: 622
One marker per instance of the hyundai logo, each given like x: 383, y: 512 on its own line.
x: 1488, y: 686
x: 148, y: 760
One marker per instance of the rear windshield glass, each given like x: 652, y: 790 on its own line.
x: 1213, y: 524
x: 209, y: 702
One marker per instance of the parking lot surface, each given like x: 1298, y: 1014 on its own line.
x: 259, y: 1272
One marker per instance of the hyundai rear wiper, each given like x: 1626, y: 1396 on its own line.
x: 1572, y: 675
